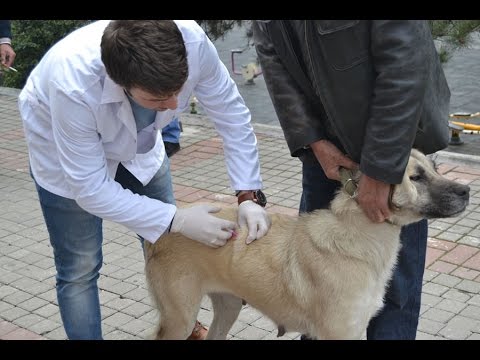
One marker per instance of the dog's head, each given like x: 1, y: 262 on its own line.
x: 425, y: 194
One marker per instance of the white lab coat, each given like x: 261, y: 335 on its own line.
x: 79, y: 126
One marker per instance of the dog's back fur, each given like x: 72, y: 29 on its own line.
x: 322, y: 273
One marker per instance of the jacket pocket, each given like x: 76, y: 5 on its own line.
x: 345, y: 43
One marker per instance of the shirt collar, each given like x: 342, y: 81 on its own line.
x: 112, y: 92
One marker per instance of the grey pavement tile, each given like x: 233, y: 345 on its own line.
x: 19, y: 253
x: 128, y: 261
x: 152, y: 317
x: 26, y: 284
x: 5, y: 306
x: 32, y: 258
x: 205, y: 316
x: 120, y: 335
x: 459, y: 328
x: 474, y: 300
x: 137, y: 279
x: 49, y: 295
x: 456, y: 295
x: 119, y: 303
x: 438, y: 315
x: 37, y: 273
x: 423, y: 308
x: 470, y: 240
x: 57, y: 334
x: 13, y: 313
x: 475, y: 232
x: 4, y: 233
x: 469, y: 286
x: 434, y: 289
x: 32, y: 304
x: 439, y: 224
x: 43, y: 249
x: 430, y: 326
x: 237, y: 327
x: 265, y: 324
x: 472, y: 312
x: 107, y: 283
x: 121, y: 273
x: 449, y: 236
x: 138, y: 294
x: 274, y: 336
x: 474, y: 215
x: 6, y: 290
x: 469, y: 223
x: 121, y: 288
x: 135, y: 326
x: 148, y: 333
x: 425, y: 336
x: 17, y: 297
x: 460, y: 229
x: 428, y: 275
x: 430, y: 300
x: 47, y: 310
x: 118, y: 319
x: 107, y: 312
x: 252, y: 333
x: 28, y: 320
x: 44, y: 326
x: 447, y: 280
x: 451, y: 305
x: 107, y: 296
x: 137, y: 309
x: 249, y: 314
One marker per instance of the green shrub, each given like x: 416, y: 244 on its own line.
x: 31, y: 40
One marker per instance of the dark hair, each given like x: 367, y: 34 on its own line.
x: 148, y: 54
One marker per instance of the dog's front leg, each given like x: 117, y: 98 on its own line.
x: 226, y: 308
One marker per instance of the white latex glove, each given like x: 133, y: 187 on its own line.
x: 256, y: 219
x: 197, y: 224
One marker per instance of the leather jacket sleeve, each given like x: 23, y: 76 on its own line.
x: 301, y: 123
x: 402, y: 55
x: 5, y: 29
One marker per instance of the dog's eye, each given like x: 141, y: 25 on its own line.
x: 415, y: 177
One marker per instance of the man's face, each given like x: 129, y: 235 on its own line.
x: 153, y: 102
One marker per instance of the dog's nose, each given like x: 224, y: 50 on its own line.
x: 462, y: 190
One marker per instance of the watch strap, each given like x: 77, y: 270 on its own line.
x: 245, y: 195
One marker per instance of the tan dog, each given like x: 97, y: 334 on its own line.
x: 322, y: 274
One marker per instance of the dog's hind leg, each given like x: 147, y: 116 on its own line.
x: 178, y: 303
x: 226, y: 308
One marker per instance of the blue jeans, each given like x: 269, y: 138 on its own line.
x: 76, y: 238
x: 399, y: 317
x: 171, y: 131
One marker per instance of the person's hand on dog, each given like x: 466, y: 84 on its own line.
x: 198, y: 224
x: 331, y: 159
x: 372, y: 197
x: 255, y: 218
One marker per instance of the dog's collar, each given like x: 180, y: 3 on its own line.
x: 346, y: 178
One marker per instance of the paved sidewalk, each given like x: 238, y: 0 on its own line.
x: 28, y: 305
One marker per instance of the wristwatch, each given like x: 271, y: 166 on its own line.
x: 257, y: 196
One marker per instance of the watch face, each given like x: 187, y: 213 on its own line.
x: 261, y: 198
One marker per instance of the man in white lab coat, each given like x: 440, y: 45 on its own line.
x: 93, y: 110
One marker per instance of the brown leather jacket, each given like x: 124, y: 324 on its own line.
x: 377, y: 86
